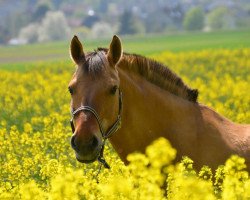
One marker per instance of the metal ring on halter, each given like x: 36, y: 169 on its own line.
x: 116, y: 125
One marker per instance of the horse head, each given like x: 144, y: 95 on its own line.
x: 95, y: 98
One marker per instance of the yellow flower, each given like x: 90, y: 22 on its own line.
x: 37, y: 161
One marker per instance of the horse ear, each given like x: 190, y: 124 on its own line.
x: 76, y: 50
x: 115, y: 50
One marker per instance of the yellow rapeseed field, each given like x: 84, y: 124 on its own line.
x: 37, y: 162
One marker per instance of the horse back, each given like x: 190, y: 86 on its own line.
x: 219, y: 138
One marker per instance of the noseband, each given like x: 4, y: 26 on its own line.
x: 105, y: 135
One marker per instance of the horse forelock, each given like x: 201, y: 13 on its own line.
x: 150, y: 69
x: 95, y: 63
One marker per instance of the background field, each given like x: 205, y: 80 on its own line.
x: 36, y: 159
x: 145, y: 45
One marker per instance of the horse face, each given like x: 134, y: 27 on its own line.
x: 94, y: 84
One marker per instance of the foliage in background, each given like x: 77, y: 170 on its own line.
x: 37, y: 162
x: 194, y: 19
x: 221, y: 18
x: 29, y: 33
x: 41, y: 8
x: 144, y: 16
x: 130, y: 24
x: 53, y: 27
x: 102, y: 30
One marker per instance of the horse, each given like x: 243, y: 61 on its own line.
x: 110, y: 87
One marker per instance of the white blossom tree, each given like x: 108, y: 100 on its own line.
x: 54, y: 27
x: 29, y: 33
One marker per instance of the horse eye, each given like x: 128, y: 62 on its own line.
x: 113, y: 89
x: 70, y: 90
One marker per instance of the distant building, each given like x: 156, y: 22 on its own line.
x: 17, y: 41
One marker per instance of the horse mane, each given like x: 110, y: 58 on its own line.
x: 154, y: 72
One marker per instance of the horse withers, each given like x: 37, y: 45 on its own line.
x: 110, y: 87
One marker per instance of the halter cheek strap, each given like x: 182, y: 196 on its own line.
x: 116, y: 125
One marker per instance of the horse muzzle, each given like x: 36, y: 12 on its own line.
x: 86, y: 152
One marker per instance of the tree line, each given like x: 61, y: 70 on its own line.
x: 43, y: 20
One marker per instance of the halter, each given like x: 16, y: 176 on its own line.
x: 116, y: 126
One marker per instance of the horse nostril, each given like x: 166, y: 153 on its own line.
x: 72, y: 141
x: 94, y: 142
x: 91, y: 144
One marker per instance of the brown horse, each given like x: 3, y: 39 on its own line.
x: 156, y: 103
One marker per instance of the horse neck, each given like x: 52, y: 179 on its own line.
x: 194, y: 130
x: 150, y: 112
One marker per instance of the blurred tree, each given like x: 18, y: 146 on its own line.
x: 194, y: 19
x: 29, y: 33
x: 90, y: 20
x: 130, y: 24
x: 174, y: 11
x: 82, y: 32
x: 4, y: 35
x: 221, y: 18
x: 157, y: 23
x: 103, y: 7
x: 102, y: 30
x: 54, y: 27
x: 243, y: 17
x: 41, y: 9
x: 15, y: 22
